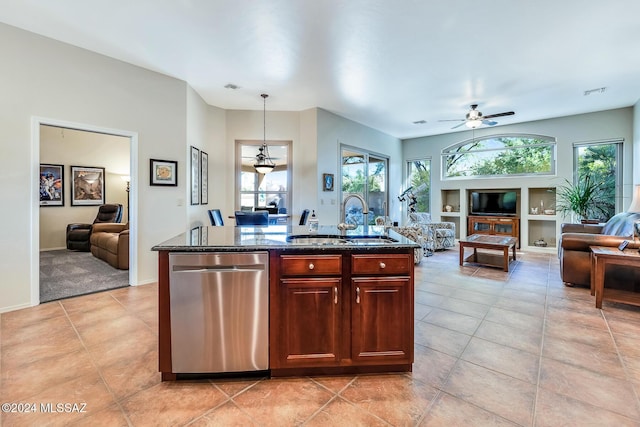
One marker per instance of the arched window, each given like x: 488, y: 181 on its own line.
x: 500, y: 155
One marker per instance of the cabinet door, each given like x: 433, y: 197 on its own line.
x: 481, y: 227
x: 309, y: 322
x: 504, y: 228
x: 382, y: 310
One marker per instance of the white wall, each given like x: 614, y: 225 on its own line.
x: 206, y: 130
x: 280, y: 126
x: 636, y: 143
x: 69, y: 147
x: 333, y: 131
x: 44, y: 78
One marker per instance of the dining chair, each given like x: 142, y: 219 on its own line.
x: 252, y: 218
x: 304, y: 216
x: 215, y: 216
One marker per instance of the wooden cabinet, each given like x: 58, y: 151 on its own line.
x: 382, y: 308
x: 308, y: 303
x: 339, y: 313
x: 494, y: 225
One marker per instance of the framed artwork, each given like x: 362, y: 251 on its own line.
x: 51, y: 185
x: 163, y: 172
x: 195, y: 176
x: 87, y: 186
x: 327, y: 182
x: 204, y: 178
x: 194, y: 236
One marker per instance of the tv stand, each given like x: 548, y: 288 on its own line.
x: 494, y: 225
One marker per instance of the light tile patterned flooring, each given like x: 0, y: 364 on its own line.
x: 491, y: 348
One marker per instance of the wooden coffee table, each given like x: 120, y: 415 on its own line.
x: 601, y: 256
x: 484, y: 241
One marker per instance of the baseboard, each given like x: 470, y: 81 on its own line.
x: 14, y: 308
x: 53, y: 249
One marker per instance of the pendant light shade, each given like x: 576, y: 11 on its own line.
x: 263, y: 163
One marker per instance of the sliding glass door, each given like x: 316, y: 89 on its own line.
x: 364, y: 174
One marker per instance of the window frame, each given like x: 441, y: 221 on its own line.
x: 407, y: 182
x: 448, y: 151
x: 256, y: 192
x: 366, y: 155
x: 619, y: 142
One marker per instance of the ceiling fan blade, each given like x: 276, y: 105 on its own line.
x: 452, y: 120
x: 457, y: 126
x: 489, y: 122
x: 490, y: 116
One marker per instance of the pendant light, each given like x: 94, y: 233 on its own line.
x: 263, y: 163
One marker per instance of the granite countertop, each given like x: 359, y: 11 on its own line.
x: 231, y: 238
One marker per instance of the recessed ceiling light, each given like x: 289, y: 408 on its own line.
x: 597, y: 90
x: 419, y: 122
x: 231, y: 86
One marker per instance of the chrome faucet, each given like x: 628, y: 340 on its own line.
x: 343, y: 226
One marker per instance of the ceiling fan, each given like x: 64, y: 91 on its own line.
x: 474, y: 118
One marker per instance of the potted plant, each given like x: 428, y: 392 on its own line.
x: 585, y: 199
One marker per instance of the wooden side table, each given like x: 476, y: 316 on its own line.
x: 601, y: 256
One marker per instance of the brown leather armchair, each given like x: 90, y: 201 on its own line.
x: 78, y: 234
x: 575, y: 255
x: 110, y: 242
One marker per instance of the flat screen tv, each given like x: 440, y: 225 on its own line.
x: 493, y: 203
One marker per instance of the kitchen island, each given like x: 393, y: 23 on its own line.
x: 336, y: 303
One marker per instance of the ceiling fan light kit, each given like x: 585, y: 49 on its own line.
x: 474, y: 118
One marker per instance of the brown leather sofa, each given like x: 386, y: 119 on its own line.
x: 110, y: 242
x: 575, y: 255
x: 78, y: 235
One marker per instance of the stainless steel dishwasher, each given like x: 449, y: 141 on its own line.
x: 219, y: 312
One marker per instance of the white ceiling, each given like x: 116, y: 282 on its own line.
x: 381, y: 63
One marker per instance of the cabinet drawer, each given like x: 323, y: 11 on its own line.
x: 311, y: 265
x: 381, y: 264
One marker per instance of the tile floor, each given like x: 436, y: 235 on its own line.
x: 491, y: 348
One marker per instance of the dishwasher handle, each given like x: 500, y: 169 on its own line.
x: 217, y: 268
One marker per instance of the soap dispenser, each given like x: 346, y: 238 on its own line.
x: 313, y: 223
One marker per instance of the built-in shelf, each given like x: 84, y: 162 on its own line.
x: 541, y: 226
x: 450, y: 198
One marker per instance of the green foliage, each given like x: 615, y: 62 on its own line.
x: 599, y: 162
x: 421, y: 175
x: 585, y: 198
x: 500, y: 156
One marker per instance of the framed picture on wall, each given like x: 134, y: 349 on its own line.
x: 87, y: 186
x: 327, y: 182
x: 195, y: 176
x: 204, y: 178
x: 51, y: 185
x: 163, y: 172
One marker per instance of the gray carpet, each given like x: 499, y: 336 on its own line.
x: 66, y: 273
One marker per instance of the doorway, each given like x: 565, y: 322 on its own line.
x: 73, y: 146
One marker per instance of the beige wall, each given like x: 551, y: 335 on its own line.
x: 71, y: 147
x: 42, y: 78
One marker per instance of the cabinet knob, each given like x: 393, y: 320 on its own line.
x: 311, y: 266
x: 383, y: 265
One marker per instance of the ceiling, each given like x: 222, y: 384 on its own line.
x: 385, y: 64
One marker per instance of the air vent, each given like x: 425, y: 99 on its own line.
x: 231, y: 86
x: 419, y: 122
x: 597, y: 90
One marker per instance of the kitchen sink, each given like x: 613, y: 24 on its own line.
x: 340, y: 240
x: 371, y: 240
x: 316, y: 240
